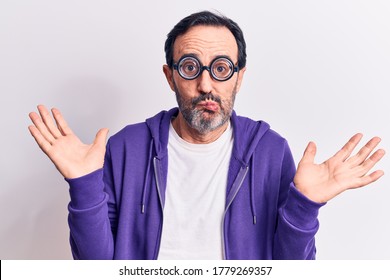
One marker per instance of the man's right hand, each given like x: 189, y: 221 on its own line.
x: 71, y: 157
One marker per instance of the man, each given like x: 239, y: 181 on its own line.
x: 197, y: 182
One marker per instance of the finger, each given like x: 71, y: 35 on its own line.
x: 372, y: 160
x: 41, y: 141
x: 39, y: 124
x: 48, y: 121
x: 61, y: 123
x: 101, y: 137
x: 347, y: 149
x: 368, y: 179
x: 364, y: 151
x: 309, y: 153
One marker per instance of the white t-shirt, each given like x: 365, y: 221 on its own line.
x: 195, y: 197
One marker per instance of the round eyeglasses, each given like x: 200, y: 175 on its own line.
x: 220, y: 69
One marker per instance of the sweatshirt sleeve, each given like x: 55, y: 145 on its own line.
x: 297, y: 218
x: 90, y: 229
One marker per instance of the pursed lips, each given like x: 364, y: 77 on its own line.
x: 209, y: 105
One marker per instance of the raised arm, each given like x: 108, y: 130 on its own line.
x: 315, y: 184
x: 81, y: 165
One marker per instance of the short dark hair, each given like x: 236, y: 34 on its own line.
x: 209, y: 19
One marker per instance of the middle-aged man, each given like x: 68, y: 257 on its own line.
x: 197, y: 181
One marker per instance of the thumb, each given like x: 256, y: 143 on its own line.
x: 309, y: 153
x: 101, y: 137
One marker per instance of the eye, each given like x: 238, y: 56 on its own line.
x: 222, y: 68
x: 189, y: 67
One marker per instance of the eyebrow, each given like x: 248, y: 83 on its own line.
x: 197, y: 57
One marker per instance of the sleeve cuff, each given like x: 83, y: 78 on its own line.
x: 86, y: 191
x: 301, y: 211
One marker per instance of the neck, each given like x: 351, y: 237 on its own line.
x: 191, y: 135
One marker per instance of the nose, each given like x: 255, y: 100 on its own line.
x: 205, y: 82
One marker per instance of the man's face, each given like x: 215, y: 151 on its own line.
x: 205, y: 103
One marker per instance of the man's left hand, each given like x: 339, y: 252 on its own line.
x: 322, y: 182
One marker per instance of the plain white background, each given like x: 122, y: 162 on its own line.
x: 317, y: 70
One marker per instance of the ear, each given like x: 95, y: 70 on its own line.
x: 169, y: 76
x: 241, y: 73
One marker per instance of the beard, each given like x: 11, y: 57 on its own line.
x: 201, y: 119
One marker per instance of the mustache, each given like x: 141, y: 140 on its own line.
x: 204, y: 97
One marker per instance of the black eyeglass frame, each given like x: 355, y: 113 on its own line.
x: 202, y: 67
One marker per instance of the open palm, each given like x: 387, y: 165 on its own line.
x: 71, y: 157
x: 322, y: 182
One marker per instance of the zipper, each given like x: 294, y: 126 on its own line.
x: 240, y: 179
x: 157, y: 177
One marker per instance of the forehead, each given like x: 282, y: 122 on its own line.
x: 206, y: 42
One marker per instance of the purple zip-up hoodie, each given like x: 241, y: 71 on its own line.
x: 117, y: 212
